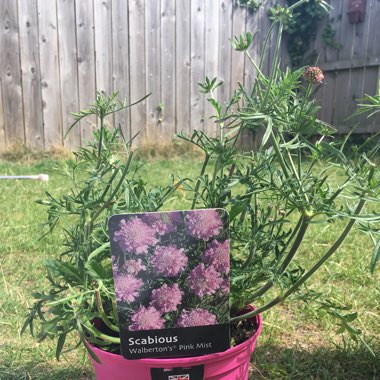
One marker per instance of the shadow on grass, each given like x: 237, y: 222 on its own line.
x: 274, y: 362
x: 43, y: 371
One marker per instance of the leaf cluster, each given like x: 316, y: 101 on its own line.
x: 102, y: 181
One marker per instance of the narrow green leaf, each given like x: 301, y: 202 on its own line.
x: 375, y: 256
x: 350, y: 317
x: 60, y: 344
x: 91, y: 352
x: 268, y: 132
x: 98, y: 250
x: 237, y: 209
x: 328, y: 148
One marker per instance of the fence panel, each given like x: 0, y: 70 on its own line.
x: 86, y: 62
x: 69, y: 49
x: 49, y: 66
x: 352, y: 70
x: 68, y: 69
x: 57, y: 54
x: 11, y: 73
x: 31, y: 74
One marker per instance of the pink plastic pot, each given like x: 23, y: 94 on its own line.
x: 232, y: 364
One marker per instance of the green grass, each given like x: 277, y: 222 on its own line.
x: 297, y: 342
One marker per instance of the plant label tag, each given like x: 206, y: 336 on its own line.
x: 192, y: 373
x: 171, y: 277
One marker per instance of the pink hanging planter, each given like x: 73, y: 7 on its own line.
x: 232, y: 364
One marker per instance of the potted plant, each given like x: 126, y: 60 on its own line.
x: 275, y: 196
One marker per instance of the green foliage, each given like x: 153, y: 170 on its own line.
x: 252, y: 5
x: 276, y: 197
x: 243, y: 42
x: 273, y: 197
x: 369, y: 105
x: 100, y: 182
x: 328, y: 36
x: 301, y: 29
x: 301, y: 337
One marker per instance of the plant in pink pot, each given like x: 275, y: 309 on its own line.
x: 275, y: 195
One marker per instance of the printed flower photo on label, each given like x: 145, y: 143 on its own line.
x: 171, y: 269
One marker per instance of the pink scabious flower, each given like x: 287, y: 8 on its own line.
x: 169, y: 261
x: 133, y: 267
x: 196, y: 317
x: 217, y: 254
x: 313, y: 74
x: 204, y: 281
x: 166, y: 298
x: 146, y: 318
x: 203, y: 224
x: 135, y: 236
x: 127, y: 287
x: 162, y: 223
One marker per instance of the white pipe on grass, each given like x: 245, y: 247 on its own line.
x: 38, y: 177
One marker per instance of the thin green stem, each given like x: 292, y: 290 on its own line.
x: 108, y: 186
x: 296, y: 5
x: 102, y: 314
x: 316, y: 266
x: 279, y: 155
x: 297, y: 242
x: 258, y: 311
x: 296, y: 175
x: 99, y: 334
x: 273, y: 72
x: 265, y: 45
x: 100, y: 140
x: 108, y: 202
x: 300, y: 229
x: 329, y: 253
x: 198, y: 184
x: 256, y: 87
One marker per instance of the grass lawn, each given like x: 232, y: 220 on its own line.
x: 297, y: 342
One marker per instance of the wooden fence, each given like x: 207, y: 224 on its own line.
x: 351, y: 70
x: 56, y: 54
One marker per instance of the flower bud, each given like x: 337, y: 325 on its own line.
x: 313, y: 74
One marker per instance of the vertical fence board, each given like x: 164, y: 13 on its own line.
x: 237, y: 59
x: 252, y: 26
x: 68, y: 69
x: 331, y: 54
x: 183, y: 19
x: 49, y: 61
x: 248, y: 137
x: 225, y: 50
x: 120, y: 59
x: 373, y: 19
x: 11, y: 72
x: 342, y: 97
x: 86, y: 63
x: 31, y: 73
x: 197, y: 63
x: 103, y: 45
x: 2, y: 124
x: 58, y: 53
x: 371, y: 81
x: 211, y: 61
x: 137, y: 67
x: 265, y: 24
x: 168, y: 68
x: 154, y: 112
